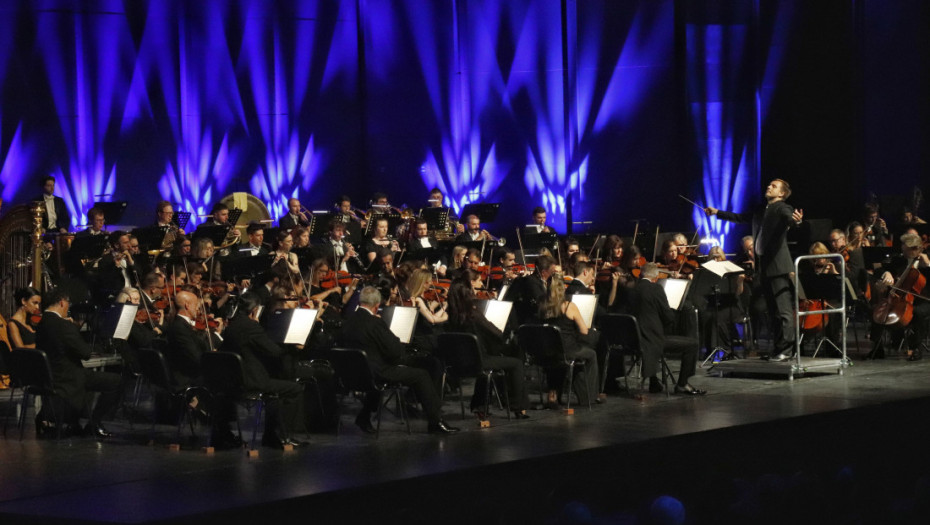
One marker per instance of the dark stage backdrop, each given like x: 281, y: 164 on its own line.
x: 606, y: 108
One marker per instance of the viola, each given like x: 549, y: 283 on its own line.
x: 34, y: 319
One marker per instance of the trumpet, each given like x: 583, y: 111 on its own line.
x: 498, y: 241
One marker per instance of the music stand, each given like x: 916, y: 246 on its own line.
x: 535, y: 241
x: 319, y: 224
x: 271, y: 235
x: 825, y: 287
x: 304, y: 256
x: 707, y: 282
x: 401, y: 320
x: 496, y: 311
x: 117, y: 321
x: 430, y: 255
x: 394, y: 220
x: 876, y: 256
x: 291, y: 326
x: 246, y: 266
x: 89, y: 246
x: 587, y: 305
x: 436, y: 218
x: 675, y: 290
x: 215, y: 232
x: 150, y: 237
x: 112, y: 211
x: 486, y: 212
x: 181, y: 218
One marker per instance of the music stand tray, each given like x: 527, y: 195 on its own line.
x: 436, y: 218
x: 112, y: 211
x: 319, y: 224
x: 250, y: 266
x: 89, y: 246
x: 535, y: 241
x: 215, y: 232
x: 151, y: 237
x: 486, y: 212
x: 181, y: 218
x: 394, y: 220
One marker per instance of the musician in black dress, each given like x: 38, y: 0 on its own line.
x: 464, y: 316
x: 20, y: 330
x: 770, y: 224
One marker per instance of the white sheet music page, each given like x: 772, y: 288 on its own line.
x: 124, y: 325
x: 675, y: 290
x: 403, y: 321
x: 722, y: 268
x: 587, y: 304
x: 498, y: 312
x: 301, y: 324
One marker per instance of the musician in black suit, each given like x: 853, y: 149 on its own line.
x: 95, y: 223
x: 388, y: 359
x: 770, y: 224
x: 186, y: 344
x: 256, y: 245
x: 244, y: 336
x: 655, y: 319
x: 116, y: 269
x: 62, y: 342
x: 529, y: 291
x: 294, y: 217
x: 57, y: 217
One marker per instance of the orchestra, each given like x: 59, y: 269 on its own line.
x: 201, y: 293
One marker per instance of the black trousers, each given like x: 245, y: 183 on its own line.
x: 779, y: 299
x: 281, y: 414
x: 417, y: 379
x: 586, y: 377
x: 516, y: 386
x: 687, y: 348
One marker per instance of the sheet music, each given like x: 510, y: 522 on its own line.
x: 124, y: 325
x: 587, y: 304
x: 675, y: 291
x: 722, y: 268
x: 301, y: 324
x: 498, y: 312
x: 403, y: 320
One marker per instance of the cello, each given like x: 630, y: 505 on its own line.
x: 897, y: 308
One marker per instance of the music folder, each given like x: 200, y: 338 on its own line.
x: 498, y: 312
x: 675, y: 291
x: 291, y: 326
x: 401, y: 320
x: 587, y: 305
x: 117, y: 322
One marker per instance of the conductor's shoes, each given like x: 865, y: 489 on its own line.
x: 441, y: 428
x: 782, y: 357
x: 364, y: 422
x: 689, y: 390
x: 97, y: 431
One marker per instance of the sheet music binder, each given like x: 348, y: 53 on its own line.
x: 117, y: 321
x: 291, y: 326
x: 497, y: 312
x: 675, y: 290
x: 587, y: 305
x: 401, y: 320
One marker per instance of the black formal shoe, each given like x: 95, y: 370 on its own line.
x: 296, y: 444
x: 688, y: 390
x: 782, y: 357
x: 520, y: 415
x: 915, y: 355
x: 226, y: 440
x: 273, y: 441
x: 363, y: 421
x: 96, y: 431
x: 655, y: 386
x: 441, y: 428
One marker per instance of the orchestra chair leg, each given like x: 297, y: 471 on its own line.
x: 571, y: 378
x: 9, y: 412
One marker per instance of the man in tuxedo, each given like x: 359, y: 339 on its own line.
x: 62, y: 342
x: 539, y: 219
x: 116, y: 269
x: 57, y: 217
x: 424, y: 246
x: 293, y: 218
x: 341, y: 255
x: 246, y: 337
x: 256, y: 244
x: 773, y: 264
x: 473, y: 231
x: 95, y: 223
x: 656, y: 318
x: 388, y: 360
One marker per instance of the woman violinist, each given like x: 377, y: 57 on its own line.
x: 464, y: 316
x: 327, y: 287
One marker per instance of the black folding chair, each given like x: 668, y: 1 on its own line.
x: 31, y: 372
x: 543, y: 344
x: 461, y: 355
x: 154, y: 370
x: 224, y: 378
x: 623, y: 335
x: 355, y: 375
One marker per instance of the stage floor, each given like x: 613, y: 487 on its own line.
x: 125, y: 481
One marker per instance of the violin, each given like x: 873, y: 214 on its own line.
x: 606, y: 269
x: 161, y: 303
x: 34, y: 319
x: 333, y: 278
x: 201, y: 323
x: 144, y: 316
